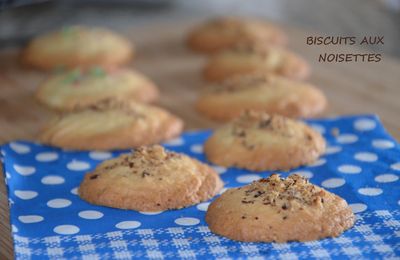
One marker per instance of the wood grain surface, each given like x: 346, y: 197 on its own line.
x: 351, y: 88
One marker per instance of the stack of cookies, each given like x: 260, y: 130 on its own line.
x: 250, y: 68
x: 102, y: 105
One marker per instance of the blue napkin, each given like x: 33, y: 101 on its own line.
x: 362, y: 165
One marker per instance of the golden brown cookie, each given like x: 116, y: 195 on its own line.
x: 279, y: 210
x: 81, y: 88
x: 258, y: 142
x: 77, y: 46
x: 111, y: 125
x: 261, y: 92
x: 256, y: 58
x: 223, y: 33
x: 150, y: 179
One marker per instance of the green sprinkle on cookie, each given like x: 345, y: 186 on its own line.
x: 97, y: 72
x: 72, y: 77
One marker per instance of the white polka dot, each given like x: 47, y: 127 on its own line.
x: 203, y: 206
x: 187, y: 221
x: 196, y: 148
x: 318, y: 128
x: 97, y: 155
x: 66, y: 229
x: 333, y: 149
x: 346, y: 139
x: 366, y: 157
x: 395, y: 166
x: 382, y: 144
x: 75, y: 191
x: 52, y: 180
x: 24, y: 170
x: 175, y: 142
x: 384, y: 178
x: 370, y: 191
x: 46, y: 157
x: 319, y: 162
x: 364, y: 124
x: 333, y: 183
x: 28, y: 219
x: 358, y: 207
x: 305, y: 174
x: 90, y: 214
x: 20, y: 148
x: 219, y: 169
x: 247, y: 178
x: 151, y: 212
x: 8, y: 175
x: 58, y: 203
x: 14, y: 229
x: 75, y: 165
x: 349, y: 169
x: 128, y: 224
x: 25, y: 194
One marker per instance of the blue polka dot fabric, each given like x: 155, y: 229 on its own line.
x: 361, y: 164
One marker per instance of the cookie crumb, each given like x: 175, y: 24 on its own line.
x: 335, y: 131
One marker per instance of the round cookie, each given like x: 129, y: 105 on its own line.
x: 77, y: 46
x: 259, y: 142
x: 256, y: 58
x: 81, y: 88
x: 150, y: 179
x: 111, y: 124
x: 279, y: 210
x: 261, y: 92
x: 223, y: 33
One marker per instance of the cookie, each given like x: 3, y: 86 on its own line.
x: 261, y: 92
x: 111, y: 125
x: 150, y: 179
x: 77, y: 46
x: 245, y: 59
x: 279, y: 210
x: 81, y: 88
x: 223, y: 33
x: 259, y: 142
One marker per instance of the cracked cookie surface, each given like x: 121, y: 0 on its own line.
x: 257, y: 141
x: 81, y: 88
x: 111, y: 124
x: 278, y: 209
x: 150, y: 179
x: 222, y: 33
x: 257, y: 58
x: 77, y: 46
x: 261, y: 92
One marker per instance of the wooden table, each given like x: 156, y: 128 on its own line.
x: 352, y: 88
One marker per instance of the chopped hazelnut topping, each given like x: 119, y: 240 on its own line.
x: 335, y: 131
x: 281, y: 193
x: 113, y: 104
x: 250, y: 123
x: 145, y: 161
x: 244, y: 82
